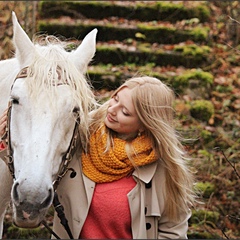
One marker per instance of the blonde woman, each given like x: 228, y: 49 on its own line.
x: 133, y: 182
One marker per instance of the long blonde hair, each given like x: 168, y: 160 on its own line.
x: 153, y: 102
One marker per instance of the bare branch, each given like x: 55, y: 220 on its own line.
x: 234, y: 168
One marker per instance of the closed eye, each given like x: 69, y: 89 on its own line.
x: 115, y: 98
x: 125, y: 113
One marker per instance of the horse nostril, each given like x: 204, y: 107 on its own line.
x: 15, y: 192
x: 48, y: 201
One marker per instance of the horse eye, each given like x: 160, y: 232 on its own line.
x: 15, y: 101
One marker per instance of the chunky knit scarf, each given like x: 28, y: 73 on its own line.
x: 101, y: 166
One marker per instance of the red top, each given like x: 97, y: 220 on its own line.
x: 109, y: 214
x: 2, y: 147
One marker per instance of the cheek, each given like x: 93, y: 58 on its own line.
x: 128, y: 122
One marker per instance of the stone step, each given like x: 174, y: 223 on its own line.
x: 194, y: 82
x: 152, y: 32
x: 142, y: 10
x: 187, y: 55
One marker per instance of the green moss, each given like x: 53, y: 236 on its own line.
x: 14, y: 232
x: 204, y: 216
x: 202, y: 110
x: 205, y: 188
x: 207, y: 136
x: 200, y: 33
x: 224, y: 89
x: 192, y: 50
x: 203, y: 12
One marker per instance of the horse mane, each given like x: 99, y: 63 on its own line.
x: 51, y: 66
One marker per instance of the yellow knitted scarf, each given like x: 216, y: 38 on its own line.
x: 101, y: 166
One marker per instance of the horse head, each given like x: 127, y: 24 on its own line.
x: 47, y: 97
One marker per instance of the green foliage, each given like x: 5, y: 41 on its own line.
x: 205, y: 188
x: 202, y: 110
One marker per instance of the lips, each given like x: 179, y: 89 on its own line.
x: 110, y: 119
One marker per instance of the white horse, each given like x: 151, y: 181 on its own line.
x: 46, y: 98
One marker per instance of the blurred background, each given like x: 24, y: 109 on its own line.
x: 194, y: 47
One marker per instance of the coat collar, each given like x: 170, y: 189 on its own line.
x: 146, y: 173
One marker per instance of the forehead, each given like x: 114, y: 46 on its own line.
x: 59, y: 98
x: 125, y: 96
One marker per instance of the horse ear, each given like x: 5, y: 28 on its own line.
x: 22, y: 42
x: 85, y: 52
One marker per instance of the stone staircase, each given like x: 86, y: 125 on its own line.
x: 150, y: 34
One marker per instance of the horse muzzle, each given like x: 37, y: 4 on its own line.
x: 30, y: 208
x: 28, y: 215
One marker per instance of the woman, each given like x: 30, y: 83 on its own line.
x: 133, y: 182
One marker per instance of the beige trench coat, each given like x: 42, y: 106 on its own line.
x: 145, y: 200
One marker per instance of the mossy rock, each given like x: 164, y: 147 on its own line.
x: 204, y: 78
x: 195, y: 82
x: 205, y: 188
x: 202, y: 110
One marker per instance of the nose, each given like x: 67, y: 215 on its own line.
x: 22, y: 198
x: 112, y: 109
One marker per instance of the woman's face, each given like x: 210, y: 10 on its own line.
x: 121, y: 115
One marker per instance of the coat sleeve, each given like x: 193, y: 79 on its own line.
x: 173, y: 230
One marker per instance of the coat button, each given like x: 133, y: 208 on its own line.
x: 148, y: 226
x: 148, y: 185
x: 145, y: 210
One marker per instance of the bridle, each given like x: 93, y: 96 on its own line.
x: 63, y: 169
